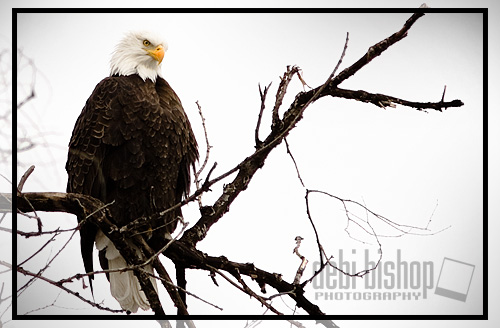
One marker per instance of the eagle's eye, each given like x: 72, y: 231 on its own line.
x: 146, y: 43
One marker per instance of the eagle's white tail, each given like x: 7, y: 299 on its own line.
x: 125, y: 287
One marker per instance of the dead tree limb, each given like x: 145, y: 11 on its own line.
x: 179, y: 252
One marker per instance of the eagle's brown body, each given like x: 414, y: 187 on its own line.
x: 132, y: 144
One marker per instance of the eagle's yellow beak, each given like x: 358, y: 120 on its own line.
x: 157, y: 53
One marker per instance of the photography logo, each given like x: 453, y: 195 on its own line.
x: 454, y: 279
x: 392, y: 280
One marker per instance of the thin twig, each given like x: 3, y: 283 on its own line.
x: 20, y: 187
x: 6, y: 264
x: 24, y: 178
x: 289, y: 152
x: 309, y: 216
x: 188, y: 292
x: 444, y: 92
x: 33, y: 234
x: 69, y: 291
x: 31, y: 94
x: 245, y: 288
x: 263, y: 96
x: 303, y: 264
x: 164, y: 248
x: 207, y: 154
x: 280, y: 94
x: 47, y: 265
x: 53, y: 238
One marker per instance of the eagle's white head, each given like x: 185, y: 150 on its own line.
x: 139, y: 53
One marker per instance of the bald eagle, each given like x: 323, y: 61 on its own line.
x: 132, y: 147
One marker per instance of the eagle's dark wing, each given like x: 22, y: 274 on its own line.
x: 86, y: 155
x: 133, y: 145
x: 188, y: 147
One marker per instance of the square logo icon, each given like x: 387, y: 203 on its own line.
x: 454, y: 279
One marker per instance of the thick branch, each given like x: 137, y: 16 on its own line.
x: 375, y: 51
x: 381, y: 100
x: 95, y: 210
x: 80, y: 205
x: 247, y: 168
x: 178, y: 251
x: 193, y: 258
x: 162, y: 272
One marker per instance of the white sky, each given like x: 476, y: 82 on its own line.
x: 400, y: 162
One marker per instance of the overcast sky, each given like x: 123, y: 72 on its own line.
x: 415, y: 168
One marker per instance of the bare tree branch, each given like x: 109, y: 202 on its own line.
x: 383, y: 101
x: 263, y: 96
x: 178, y: 251
x: 207, y: 154
x: 69, y: 291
